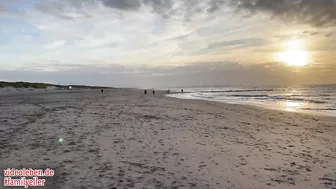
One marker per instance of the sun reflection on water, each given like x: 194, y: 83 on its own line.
x: 292, y: 105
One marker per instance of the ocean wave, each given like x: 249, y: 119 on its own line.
x: 238, y: 91
x: 310, y: 99
x: 307, y: 95
x: 280, y: 98
x: 299, y: 99
x: 251, y: 96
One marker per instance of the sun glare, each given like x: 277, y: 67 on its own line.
x: 294, y: 55
x: 292, y: 106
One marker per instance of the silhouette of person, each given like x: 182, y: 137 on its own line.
x: 181, y: 90
x: 145, y: 92
x: 153, y: 92
x: 102, y: 91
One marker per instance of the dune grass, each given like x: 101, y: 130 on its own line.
x: 22, y: 84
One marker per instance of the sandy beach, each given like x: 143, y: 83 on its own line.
x: 125, y: 139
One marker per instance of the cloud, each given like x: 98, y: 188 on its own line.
x: 159, y: 5
x: 232, y: 44
x: 319, y: 13
x: 329, y: 34
x: 167, y: 8
x: 314, y: 33
x: 163, y: 7
x: 55, y: 44
x: 123, y: 4
x: 7, y: 12
x: 201, y: 73
x: 66, y: 9
x: 155, y: 32
x: 238, y: 42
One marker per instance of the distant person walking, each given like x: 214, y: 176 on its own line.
x: 102, y: 91
x: 181, y: 90
x: 145, y: 92
x: 153, y: 92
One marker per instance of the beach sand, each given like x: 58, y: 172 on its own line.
x: 125, y: 139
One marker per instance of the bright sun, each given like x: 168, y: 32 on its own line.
x: 294, y: 55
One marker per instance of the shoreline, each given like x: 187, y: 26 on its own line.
x: 297, y: 111
x: 125, y: 139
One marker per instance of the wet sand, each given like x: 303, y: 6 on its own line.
x: 124, y: 139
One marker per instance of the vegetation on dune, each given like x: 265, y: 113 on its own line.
x: 24, y: 85
x: 81, y: 87
x: 44, y: 85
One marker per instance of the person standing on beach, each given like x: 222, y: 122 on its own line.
x: 102, y: 91
x: 181, y: 90
x: 145, y: 92
x: 153, y: 92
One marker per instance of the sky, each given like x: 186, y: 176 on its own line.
x: 168, y: 43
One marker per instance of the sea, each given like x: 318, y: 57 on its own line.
x: 317, y: 99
